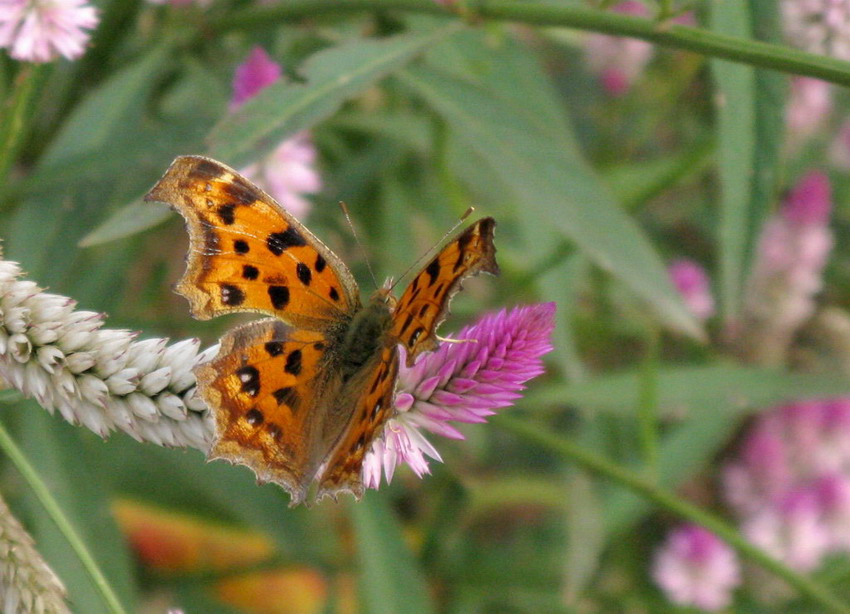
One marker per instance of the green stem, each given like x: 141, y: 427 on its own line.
x: 647, y: 414
x: 714, y: 44
x: 668, y: 500
x: 15, y: 114
x: 53, y: 510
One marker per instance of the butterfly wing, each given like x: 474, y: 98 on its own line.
x: 371, y: 397
x: 247, y: 253
x: 271, y: 387
x: 425, y: 301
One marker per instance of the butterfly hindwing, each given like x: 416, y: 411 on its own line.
x: 426, y: 299
x: 269, y: 388
x: 248, y: 254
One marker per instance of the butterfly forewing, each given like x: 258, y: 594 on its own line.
x: 425, y: 300
x: 248, y: 254
x: 370, y: 409
x: 268, y: 386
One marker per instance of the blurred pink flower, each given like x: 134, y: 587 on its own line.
x: 288, y: 172
x: 694, y: 568
x: 839, y: 149
x: 818, y: 26
x: 43, y: 30
x: 617, y: 60
x: 692, y: 283
x: 790, y: 485
x: 787, y: 274
x: 809, y: 105
x: 464, y: 381
x: 792, y: 530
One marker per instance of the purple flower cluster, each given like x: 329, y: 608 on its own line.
x: 694, y: 568
x: 483, y: 369
x: 788, y: 272
x: 790, y: 485
x: 693, y: 284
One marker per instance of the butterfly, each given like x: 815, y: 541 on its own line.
x: 299, y: 397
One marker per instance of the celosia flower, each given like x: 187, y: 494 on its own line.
x: 43, y: 30
x: 818, y: 26
x: 694, y: 568
x: 692, y: 283
x: 809, y: 105
x: 790, y: 484
x: 791, y: 530
x: 98, y: 377
x: 27, y: 584
x: 466, y: 380
x: 289, y: 170
x: 791, y: 254
x: 617, y: 60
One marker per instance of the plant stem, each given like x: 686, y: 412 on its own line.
x: 53, y: 510
x: 668, y: 500
x: 714, y: 44
x: 647, y: 413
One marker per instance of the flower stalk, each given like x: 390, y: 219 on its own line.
x: 698, y: 40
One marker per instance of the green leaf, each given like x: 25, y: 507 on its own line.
x: 683, y: 452
x: 389, y: 577
x: 127, y: 221
x: 101, y: 117
x: 697, y: 391
x: 750, y: 125
x: 554, y: 186
x: 331, y: 77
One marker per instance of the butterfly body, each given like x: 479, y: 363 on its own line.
x: 301, y: 396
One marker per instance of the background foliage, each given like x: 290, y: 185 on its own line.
x: 420, y: 111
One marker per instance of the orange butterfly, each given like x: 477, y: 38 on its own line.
x: 300, y: 397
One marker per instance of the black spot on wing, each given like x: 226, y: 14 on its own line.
x: 278, y: 242
x: 334, y: 294
x: 241, y: 247
x: 274, y: 348
x: 250, y: 272
x: 249, y: 379
x: 305, y: 275
x: 231, y: 295
x: 433, y: 270
x: 254, y: 417
x: 227, y: 213
x: 320, y: 263
x: 293, y: 363
x: 279, y: 296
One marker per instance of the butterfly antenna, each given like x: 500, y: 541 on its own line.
x: 344, y: 208
x: 460, y: 221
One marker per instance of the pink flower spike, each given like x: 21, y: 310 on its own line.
x: 692, y: 283
x: 43, y: 30
x: 810, y: 202
x: 252, y: 76
x: 513, y: 340
x: 694, y: 568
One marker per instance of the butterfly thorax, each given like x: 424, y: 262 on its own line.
x: 366, y: 333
